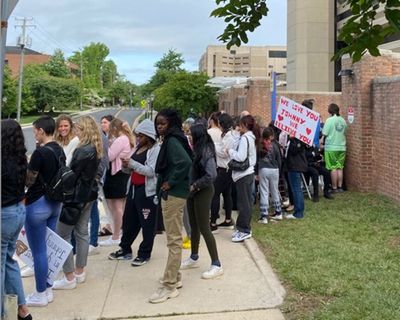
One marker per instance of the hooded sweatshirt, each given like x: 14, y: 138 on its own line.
x: 239, y: 153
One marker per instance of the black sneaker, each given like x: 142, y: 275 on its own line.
x: 227, y: 225
x: 138, y: 261
x: 214, y: 228
x: 120, y: 255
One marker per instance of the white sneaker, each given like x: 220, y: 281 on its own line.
x: 93, y: 250
x: 189, y: 263
x: 241, y: 236
x: 109, y: 242
x: 80, y: 278
x: 276, y: 217
x: 64, y: 284
x: 263, y: 220
x: 235, y: 233
x: 163, y: 294
x: 213, y: 272
x: 27, y: 272
x: 49, y: 295
x: 37, y: 299
x: 290, y: 217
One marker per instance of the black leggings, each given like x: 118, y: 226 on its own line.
x: 222, y: 185
x: 199, y: 207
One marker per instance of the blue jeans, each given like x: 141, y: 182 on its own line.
x: 12, y: 221
x: 94, y: 224
x: 40, y: 215
x: 298, y: 198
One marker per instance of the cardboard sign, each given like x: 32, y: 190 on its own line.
x: 296, y: 120
x: 57, y: 252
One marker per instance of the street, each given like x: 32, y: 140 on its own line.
x: 129, y: 115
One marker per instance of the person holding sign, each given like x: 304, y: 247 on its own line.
x: 13, y: 174
x: 334, y: 132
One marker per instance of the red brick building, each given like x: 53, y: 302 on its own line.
x: 13, y: 56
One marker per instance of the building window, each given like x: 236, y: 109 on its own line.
x: 277, y: 54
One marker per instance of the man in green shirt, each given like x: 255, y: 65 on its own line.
x: 334, y: 132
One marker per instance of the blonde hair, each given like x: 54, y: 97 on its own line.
x: 90, y: 134
x: 118, y: 127
x: 63, y: 141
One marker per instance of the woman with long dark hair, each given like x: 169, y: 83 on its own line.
x: 202, y: 176
x: 13, y: 174
x: 173, y: 165
x: 246, y: 149
x: 223, y: 182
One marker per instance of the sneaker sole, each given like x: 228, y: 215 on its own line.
x: 219, y: 275
x: 120, y: 258
x: 192, y: 266
x: 135, y: 264
x: 30, y: 304
x: 172, y: 295
x: 242, y: 239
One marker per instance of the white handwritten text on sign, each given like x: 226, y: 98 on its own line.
x: 296, y: 120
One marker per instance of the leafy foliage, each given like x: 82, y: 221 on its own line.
x: 359, y: 33
x: 9, y: 105
x: 56, y: 66
x: 52, y: 92
x: 186, y: 92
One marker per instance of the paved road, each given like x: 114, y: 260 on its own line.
x: 127, y: 115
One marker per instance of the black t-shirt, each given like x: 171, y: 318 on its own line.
x: 12, y: 191
x: 43, y: 161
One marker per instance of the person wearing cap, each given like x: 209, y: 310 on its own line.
x: 141, y: 205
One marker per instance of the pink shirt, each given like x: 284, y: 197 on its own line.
x: 119, y: 149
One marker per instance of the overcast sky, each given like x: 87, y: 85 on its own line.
x: 137, y: 32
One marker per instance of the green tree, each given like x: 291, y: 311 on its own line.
x: 9, y: 106
x: 359, y: 33
x: 93, y: 57
x: 120, y: 92
x: 54, y: 93
x: 57, y: 66
x: 109, y: 74
x: 168, y: 65
x: 186, y: 92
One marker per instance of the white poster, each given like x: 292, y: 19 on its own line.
x: 296, y: 120
x: 57, y: 252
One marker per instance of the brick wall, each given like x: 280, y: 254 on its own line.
x: 13, y: 61
x: 373, y: 139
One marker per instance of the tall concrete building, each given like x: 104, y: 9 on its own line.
x: 244, y: 61
x: 312, y: 30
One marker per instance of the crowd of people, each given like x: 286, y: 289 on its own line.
x: 163, y: 176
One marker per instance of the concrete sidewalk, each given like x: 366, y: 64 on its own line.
x: 116, y: 290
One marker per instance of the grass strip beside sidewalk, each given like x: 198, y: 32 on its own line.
x: 342, y: 261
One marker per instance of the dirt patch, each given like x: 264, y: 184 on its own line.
x: 394, y: 242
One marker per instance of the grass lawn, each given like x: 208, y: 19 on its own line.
x: 342, y: 261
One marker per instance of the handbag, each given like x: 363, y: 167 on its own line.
x: 70, y: 213
x: 240, y: 165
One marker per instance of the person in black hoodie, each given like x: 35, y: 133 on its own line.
x: 202, y: 176
x: 85, y: 162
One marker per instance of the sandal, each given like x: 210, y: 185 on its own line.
x: 105, y: 232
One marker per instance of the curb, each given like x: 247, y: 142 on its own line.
x: 266, y: 270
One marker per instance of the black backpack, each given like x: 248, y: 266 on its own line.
x: 61, y: 187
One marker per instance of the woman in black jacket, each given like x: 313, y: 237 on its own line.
x: 75, y: 215
x: 202, y: 176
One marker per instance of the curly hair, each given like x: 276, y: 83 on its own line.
x: 13, y: 147
x: 90, y: 134
x: 173, y: 119
x: 64, y: 141
x: 118, y: 127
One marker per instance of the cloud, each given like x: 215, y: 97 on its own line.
x: 135, y: 31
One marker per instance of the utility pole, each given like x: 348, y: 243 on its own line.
x: 81, y: 98
x: 23, y: 41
